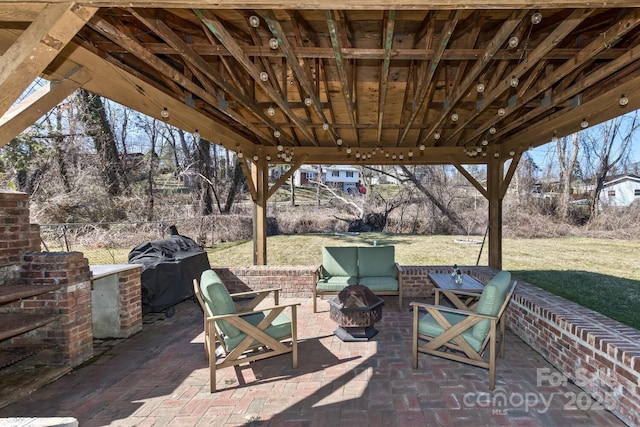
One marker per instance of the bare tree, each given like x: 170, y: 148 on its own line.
x: 96, y: 123
x: 567, y: 160
x: 607, y: 147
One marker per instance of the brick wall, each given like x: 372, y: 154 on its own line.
x: 294, y: 281
x: 601, y: 355
x: 72, y: 335
x: 130, y: 301
x: 17, y: 236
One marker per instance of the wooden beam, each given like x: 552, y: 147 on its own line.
x: 485, y: 59
x: 469, y: 178
x: 215, y: 26
x: 556, y: 36
x: 260, y: 175
x: 294, y: 167
x: 614, y: 34
x: 425, y: 81
x: 24, y: 114
x: 355, y: 4
x: 191, y: 57
x: 122, y: 39
x: 336, y: 42
x: 390, y: 18
x: 495, y: 171
x: 38, y: 45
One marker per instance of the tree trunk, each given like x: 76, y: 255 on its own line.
x: 97, y: 127
x: 567, y: 159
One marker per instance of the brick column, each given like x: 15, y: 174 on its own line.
x: 17, y: 236
x: 71, y: 335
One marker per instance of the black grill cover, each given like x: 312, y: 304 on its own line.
x: 168, y: 269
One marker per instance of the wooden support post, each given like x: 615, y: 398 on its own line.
x: 259, y: 176
x: 495, y: 176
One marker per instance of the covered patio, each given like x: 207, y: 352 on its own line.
x: 160, y: 377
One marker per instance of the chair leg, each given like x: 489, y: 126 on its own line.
x: 502, y: 338
x: 315, y: 300
x: 414, y: 345
x: 294, y: 338
x: 212, y: 373
x: 492, y: 358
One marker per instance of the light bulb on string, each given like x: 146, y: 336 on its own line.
x: 273, y: 43
x: 164, y: 113
x: 339, y: 141
x: 514, y: 82
x: 325, y: 126
x: 623, y: 100
x: 436, y: 135
x: 271, y: 111
x: 276, y: 134
x: 584, y: 123
x: 536, y: 18
x: 308, y: 101
x: 254, y: 21
x: 513, y: 42
x: 502, y: 112
x: 454, y: 117
x: 554, y: 138
x: 264, y: 76
x: 492, y: 130
x: 480, y: 87
x: 196, y: 134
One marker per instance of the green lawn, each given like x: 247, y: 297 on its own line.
x: 600, y: 274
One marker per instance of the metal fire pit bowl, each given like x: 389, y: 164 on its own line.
x: 355, y: 309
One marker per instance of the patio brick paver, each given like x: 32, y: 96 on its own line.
x: 160, y: 377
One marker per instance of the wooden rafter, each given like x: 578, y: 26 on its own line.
x: 425, y: 80
x: 39, y: 44
x: 556, y: 36
x: 472, y: 76
x: 336, y: 42
x: 133, y: 47
x: 218, y: 30
x: 390, y: 18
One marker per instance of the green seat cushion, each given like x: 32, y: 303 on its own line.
x: 429, y: 327
x: 379, y: 283
x: 335, y: 284
x: 217, y: 300
x: 491, y: 301
x: 377, y: 261
x: 340, y: 261
x: 278, y: 329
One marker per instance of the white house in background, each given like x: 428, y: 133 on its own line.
x: 620, y: 190
x: 340, y: 176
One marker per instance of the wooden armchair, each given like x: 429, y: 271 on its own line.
x: 243, y: 336
x: 465, y: 335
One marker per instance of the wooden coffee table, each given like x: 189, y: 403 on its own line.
x: 453, y: 291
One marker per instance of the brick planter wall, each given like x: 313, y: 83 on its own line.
x: 601, y: 355
x: 294, y: 281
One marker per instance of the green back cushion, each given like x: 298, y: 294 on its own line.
x: 377, y: 261
x: 218, y: 301
x: 340, y: 261
x: 491, y: 301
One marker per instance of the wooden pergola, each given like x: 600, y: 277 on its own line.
x: 327, y: 82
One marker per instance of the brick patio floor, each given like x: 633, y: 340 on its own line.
x: 160, y: 377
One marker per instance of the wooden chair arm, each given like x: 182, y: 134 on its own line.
x: 275, y: 307
x: 419, y: 305
x: 466, y: 292
x: 248, y: 293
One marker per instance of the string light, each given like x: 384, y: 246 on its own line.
x: 436, y: 135
x: 339, y: 141
x: 422, y: 147
x: 480, y: 87
x: 164, y: 113
x: 254, y: 21
x: 513, y: 42
x: 584, y: 123
x: 536, y: 18
x: 196, y: 134
x: 623, y: 100
x: 273, y: 43
x: 455, y: 117
x: 271, y: 111
x: 264, y: 76
x: 514, y: 82
x: 308, y: 101
x: 492, y: 130
x: 325, y: 126
x: 276, y: 134
x: 280, y: 147
x: 501, y: 112
x: 554, y: 138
